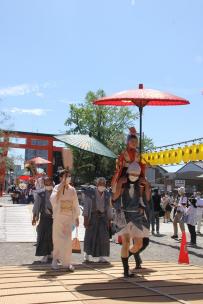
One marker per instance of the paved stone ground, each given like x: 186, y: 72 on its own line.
x: 161, y: 248
x: 15, y: 224
x: 157, y: 283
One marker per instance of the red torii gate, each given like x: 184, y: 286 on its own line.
x: 29, y: 137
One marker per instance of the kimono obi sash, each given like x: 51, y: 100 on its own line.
x: 66, y: 207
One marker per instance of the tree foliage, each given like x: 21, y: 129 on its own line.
x: 5, y: 124
x: 148, y: 143
x: 109, y: 125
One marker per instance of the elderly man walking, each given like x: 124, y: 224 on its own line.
x: 97, y: 217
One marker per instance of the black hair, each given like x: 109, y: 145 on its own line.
x: 193, y: 201
x: 64, y: 171
x: 132, y: 136
x: 47, y: 178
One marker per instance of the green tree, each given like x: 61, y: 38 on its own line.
x: 5, y: 124
x: 148, y: 143
x: 107, y: 124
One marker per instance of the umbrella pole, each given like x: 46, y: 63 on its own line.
x: 140, y: 147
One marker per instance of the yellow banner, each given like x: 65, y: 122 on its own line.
x: 174, y: 156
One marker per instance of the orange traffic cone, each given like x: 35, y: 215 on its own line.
x: 183, y: 256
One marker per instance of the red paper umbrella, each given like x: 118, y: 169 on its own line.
x: 24, y: 177
x: 39, y: 161
x: 141, y: 97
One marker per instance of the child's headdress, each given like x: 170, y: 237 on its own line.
x: 132, y: 134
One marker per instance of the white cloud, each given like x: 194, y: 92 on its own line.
x: 199, y: 59
x: 39, y: 94
x: 48, y: 84
x: 36, y: 112
x: 25, y: 89
x: 19, y: 90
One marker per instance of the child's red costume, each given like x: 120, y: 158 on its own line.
x: 126, y: 157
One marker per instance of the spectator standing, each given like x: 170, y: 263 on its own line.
x: 199, y: 211
x: 180, y: 211
x: 156, y: 202
x: 166, y: 205
x: 29, y: 192
x: 191, y: 220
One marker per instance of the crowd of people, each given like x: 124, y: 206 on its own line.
x: 180, y: 209
x: 21, y: 192
x: 57, y: 210
x: 130, y: 209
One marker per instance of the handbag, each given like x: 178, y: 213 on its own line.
x: 76, y: 243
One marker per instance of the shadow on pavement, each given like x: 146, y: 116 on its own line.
x: 155, y: 284
x: 141, y: 289
x: 49, y: 273
x: 159, y: 235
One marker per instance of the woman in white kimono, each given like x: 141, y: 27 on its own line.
x: 66, y: 212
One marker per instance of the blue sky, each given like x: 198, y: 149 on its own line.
x: 54, y: 51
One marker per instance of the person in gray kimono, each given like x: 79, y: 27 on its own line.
x: 132, y: 190
x: 97, y: 216
x: 42, y: 212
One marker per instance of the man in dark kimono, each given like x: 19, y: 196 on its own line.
x: 42, y: 211
x: 97, y: 216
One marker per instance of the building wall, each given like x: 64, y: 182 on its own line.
x: 191, y: 185
x: 156, y: 177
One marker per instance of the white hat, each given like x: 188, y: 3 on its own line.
x: 135, y: 168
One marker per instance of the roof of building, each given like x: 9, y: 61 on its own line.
x: 199, y: 164
x: 162, y: 169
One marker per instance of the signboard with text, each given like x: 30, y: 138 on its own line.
x: 179, y: 183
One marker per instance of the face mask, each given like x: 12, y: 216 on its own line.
x: 133, y: 178
x: 68, y: 180
x: 49, y: 188
x: 101, y: 188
